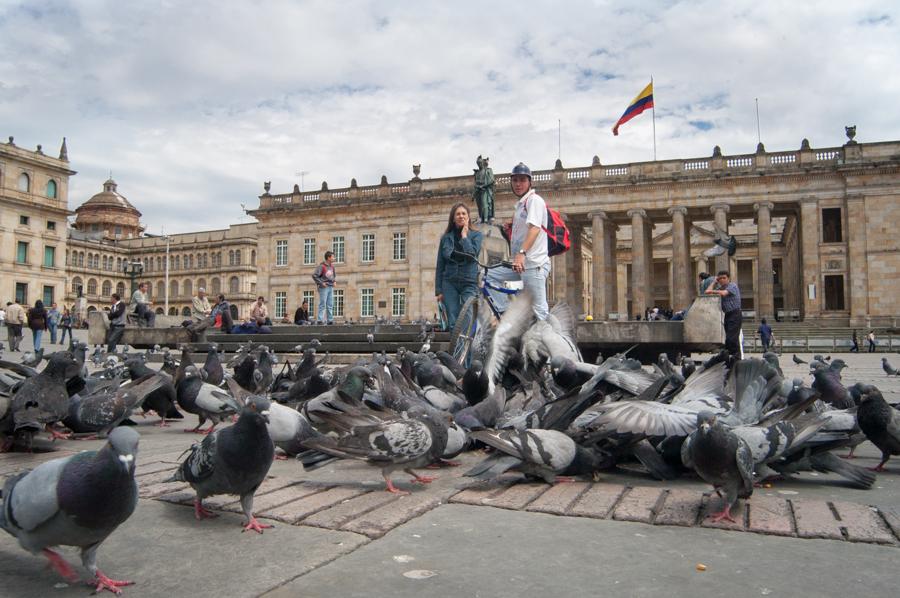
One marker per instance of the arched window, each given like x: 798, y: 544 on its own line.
x: 120, y: 289
x: 185, y: 311
x: 92, y: 286
x: 216, y: 286
x: 24, y: 183
x: 159, y: 263
x: 234, y: 285
x: 201, y: 284
x: 105, y: 263
x: 118, y: 264
x: 173, y: 311
x: 188, y: 288
x: 173, y: 289
x: 234, y: 312
x: 51, y: 189
x: 160, y: 289
x: 160, y: 311
x: 230, y: 258
x: 81, y: 258
x: 178, y: 262
x: 237, y: 257
x: 147, y: 264
x: 77, y: 285
x: 106, y: 289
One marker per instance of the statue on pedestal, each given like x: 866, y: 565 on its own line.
x: 484, y: 190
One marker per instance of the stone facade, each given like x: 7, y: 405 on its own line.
x: 34, y: 189
x: 813, y: 230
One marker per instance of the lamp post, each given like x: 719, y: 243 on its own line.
x: 166, y: 237
x: 133, y: 270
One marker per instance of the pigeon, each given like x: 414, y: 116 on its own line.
x: 233, y: 460
x: 215, y: 375
x: 204, y: 400
x: 797, y: 360
x: 394, y: 442
x: 75, y: 501
x: 97, y: 356
x: 162, y: 400
x: 723, y: 243
x: 103, y: 411
x: 828, y: 384
x: 888, y: 369
x: 880, y: 423
x: 33, y: 359
x: 288, y: 428
x: 721, y: 458
x: 546, y: 454
x: 42, y: 399
x: 475, y: 383
x: 370, y: 337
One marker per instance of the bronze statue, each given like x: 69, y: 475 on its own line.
x: 484, y: 190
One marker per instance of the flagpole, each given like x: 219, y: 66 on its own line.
x: 654, y: 119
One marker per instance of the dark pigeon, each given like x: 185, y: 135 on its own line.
x: 215, y: 375
x: 797, y: 360
x: 161, y: 400
x: 475, y: 383
x: 721, y: 458
x: 42, y: 400
x: 204, y: 400
x: 828, y: 384
x: 103, y: 411
x: 888, y: 368
x: 880, y: 423
x: 234, y: 460
x: 75, y: 501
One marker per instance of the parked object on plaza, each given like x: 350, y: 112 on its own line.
x: 234, y: 460
x: 75, y: 501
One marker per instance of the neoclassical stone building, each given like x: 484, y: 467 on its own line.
x: 814, y: 228
x: 34, y: 189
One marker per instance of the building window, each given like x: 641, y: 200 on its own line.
x: 173, y: 288
x: 21, y: 252
x: 234, y: 285
x: 49, y: 257
x: 106, y: 288
x: 188, y: 288
x: 22, y: 293
x: 216, y: 285
x: 398, y: 302
x: 338, y: 303
x: 310, y: 298
x: 120, y: 289
x: 366, y: 303
x: 160, y: 289
x: 81, y: 258
x: 337, y: 247
x: 831, y: 225
x: 95, y: 227
x: 51, y: 225
x: 48, y: 296
x: 309, y: 251
x: 280, y: 304
x: 834, y: 293
x: 77, y: 286
x: 117, y: 231
x: 92, y: 286
x: 24, y: 220
x: 252, y: 257
x: 368, y: 247
x: 281, y: 253
x: 51, y: 189
x: 237, y: 257
x: 24, y: 183
x: 399, y: 246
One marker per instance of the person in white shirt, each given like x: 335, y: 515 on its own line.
x: 528, y: 245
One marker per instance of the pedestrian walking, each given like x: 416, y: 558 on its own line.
x: 324, y: 276
x: 855, y: 347
x: 53, y: 317
x: 871, y: 339
x: 65, y: 323
x: 765, y: 334
x: 37, y: 321
x: 15, y: 319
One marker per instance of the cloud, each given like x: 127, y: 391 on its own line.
x: 193, y: 105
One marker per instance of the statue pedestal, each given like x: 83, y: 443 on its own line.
x: 705, y: 321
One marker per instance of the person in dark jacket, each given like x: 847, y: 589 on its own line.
x: 37, y: 321
x: 324, y: 277
x: 456, y: 278
x: 65, y: 324
x: 301, y: 316
x: 116, y: 323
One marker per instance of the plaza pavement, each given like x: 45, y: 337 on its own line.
x: 339, y: 534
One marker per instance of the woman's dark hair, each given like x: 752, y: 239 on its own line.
x: 39, y: 304
x: 451, y: 225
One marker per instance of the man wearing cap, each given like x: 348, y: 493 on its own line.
x: 528, y: 245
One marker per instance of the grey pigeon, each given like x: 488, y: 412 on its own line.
x: 103, y: 411
x: 828, y: 384
x: 204, y: 400
x: 797, y: 360
x: 74, y: 501
x: 888, y: 368
x: 721, y: 458
x: 234, y: 460
x: 722, y: 244
x: 546, y: 454
x: 880, y: 423
x: 42, y: 400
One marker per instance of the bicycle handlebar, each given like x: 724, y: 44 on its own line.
x: 504, y: 263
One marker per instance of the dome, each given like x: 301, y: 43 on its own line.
x: 110, y: 212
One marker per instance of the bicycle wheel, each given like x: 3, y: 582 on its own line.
x: 464, y: 331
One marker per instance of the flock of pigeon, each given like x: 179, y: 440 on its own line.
x: 528, y: 399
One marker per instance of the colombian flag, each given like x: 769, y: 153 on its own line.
x: 643, y: 101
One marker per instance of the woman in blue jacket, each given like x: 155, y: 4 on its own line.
x: 456, y: 278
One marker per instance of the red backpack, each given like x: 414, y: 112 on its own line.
x: 558, y: 239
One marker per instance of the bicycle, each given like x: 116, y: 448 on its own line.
x: 466, y: 327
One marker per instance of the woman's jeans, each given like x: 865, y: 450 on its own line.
x: 37, y: 334
x: 455, y: 295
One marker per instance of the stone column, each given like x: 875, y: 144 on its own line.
x: 640, y: 276
x: 858, y: 269
x: 682, y: 279
x: 720, y: 215
x: 574, y: 268
x: 603, y: 256
x: 809, y: 239
x: 765, y: 286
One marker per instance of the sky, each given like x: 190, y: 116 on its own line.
x: 193, y: 105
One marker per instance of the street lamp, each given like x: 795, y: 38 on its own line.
x: 133, y: 270
x: 167, y: 238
